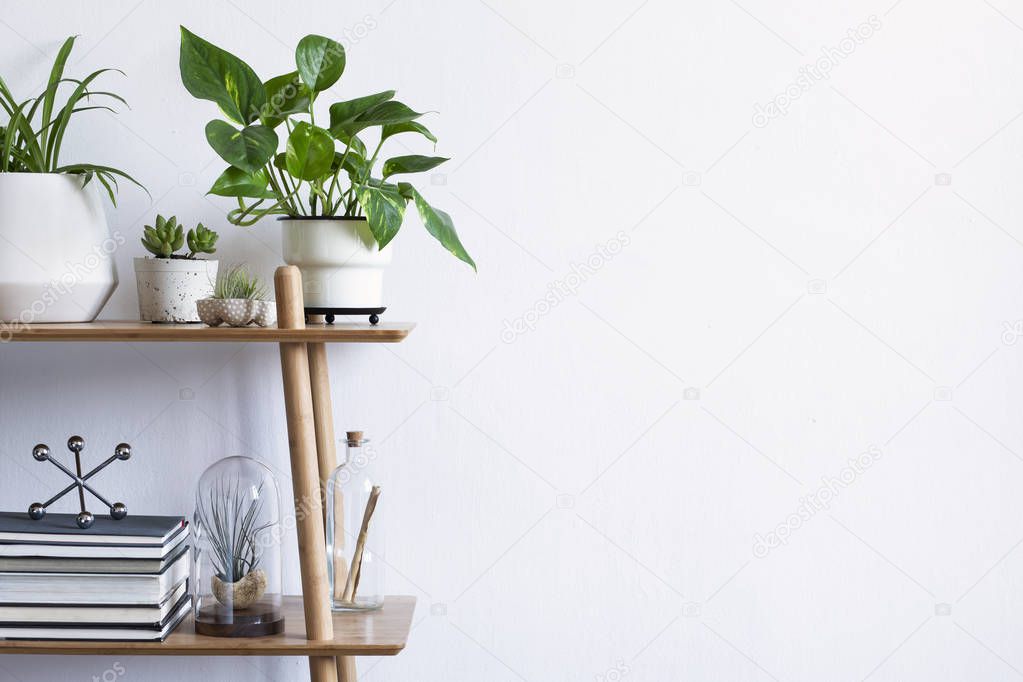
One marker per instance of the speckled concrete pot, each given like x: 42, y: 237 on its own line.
x: 236, y: 312
x: 169, y: 287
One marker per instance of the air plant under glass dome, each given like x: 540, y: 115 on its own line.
x: 237, y: 554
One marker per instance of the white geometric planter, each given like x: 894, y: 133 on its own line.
x: 341, y: 265
x: 56, y: 251
x: 169, y: 287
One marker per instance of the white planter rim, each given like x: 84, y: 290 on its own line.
x: 337, y: 218
x: 73, y: 176
x: 144, y: 264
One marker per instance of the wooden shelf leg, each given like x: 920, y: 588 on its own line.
x: 305, y: 471
x: 326, y: 451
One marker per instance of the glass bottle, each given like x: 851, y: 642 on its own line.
x: 237, y: 550
x: 356, y: 528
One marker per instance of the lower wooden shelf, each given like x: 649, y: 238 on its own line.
x: 376, y: 633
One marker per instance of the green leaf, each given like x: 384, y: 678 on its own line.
x: 385, y: 210
x: 344, y: 113
x: 352, y: 162
x: 249, y: 148
x: 407, y: 127
x: 60, y: 125
x: 439, y: 224
x: 211, y: 73
x: 83, y: 168
x: 352, y: 141
x: 383, y: 114
x: 285, y: 95
x: 234, y: 182
x: 321, y: 61
x: 56, y: 76
x: 412, y: 163
x: 310, y: 152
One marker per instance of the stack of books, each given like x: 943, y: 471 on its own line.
x: 118, y: 580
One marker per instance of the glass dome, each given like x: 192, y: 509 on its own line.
x: 237, y: 553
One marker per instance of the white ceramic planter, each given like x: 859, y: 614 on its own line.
x: 56, y: 252
x: 169, y: 287
x: 236, y: 312
x: 341, y: 265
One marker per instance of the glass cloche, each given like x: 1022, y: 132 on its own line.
x: 237, y: 569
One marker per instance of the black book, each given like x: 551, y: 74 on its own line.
x: 100, y: 632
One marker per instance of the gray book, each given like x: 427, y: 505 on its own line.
x: 56, y: 535
x: 152, y: 531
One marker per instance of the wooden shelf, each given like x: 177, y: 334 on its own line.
x: 134, y: 331
x: 376, y: 633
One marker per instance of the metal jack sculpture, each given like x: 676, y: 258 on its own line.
x: 76, y: 444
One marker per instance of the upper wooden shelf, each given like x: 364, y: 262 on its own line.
x: 104, y: 330
x: 376, y: 633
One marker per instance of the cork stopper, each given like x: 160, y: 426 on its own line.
x: 354, y: 438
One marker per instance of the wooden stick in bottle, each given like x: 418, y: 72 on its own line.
x: 360, y: 546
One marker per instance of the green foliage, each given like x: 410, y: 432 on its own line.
x: 166, y: 237
x: 323, y: 171
x: 236, y: 282
x: 229, y: 518
x: 31, y: 146
x: 201, y: 239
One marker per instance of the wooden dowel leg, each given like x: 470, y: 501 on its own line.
x: 326, y: 452
x: 305, y: 471
x: 323, y: 411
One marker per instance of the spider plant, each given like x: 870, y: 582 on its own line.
x: 31, y: 146
x: 230, y: 517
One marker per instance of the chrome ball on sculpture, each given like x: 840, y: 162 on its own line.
x: 40, y: 452
x: 118, y: 511
x: 36, y: 511
x: 123, y: 451
x: 75, y: 444
x: 85, y: 520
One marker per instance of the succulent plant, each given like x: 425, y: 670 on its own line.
x: 236, y: 282
x: 163, y: 239
x: 201, y: 240
x: 167, y: 236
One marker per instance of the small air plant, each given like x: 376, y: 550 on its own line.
x: 239, y: 299
x: 237, y: 282
x: 167, y: 236
x: 231, y: 520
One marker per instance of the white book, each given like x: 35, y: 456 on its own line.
x: 93, y: 588
x: 48, y: 614
x: 94, y: 551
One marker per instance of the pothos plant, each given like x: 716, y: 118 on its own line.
x: 31, y: 139
x: 325, y: 170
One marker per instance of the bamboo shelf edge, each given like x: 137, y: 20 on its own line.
x: 376, y: 633
x: 134, y: 331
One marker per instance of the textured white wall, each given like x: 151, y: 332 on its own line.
x: 765, y: 298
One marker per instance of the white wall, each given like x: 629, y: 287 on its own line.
x: 580, y: 501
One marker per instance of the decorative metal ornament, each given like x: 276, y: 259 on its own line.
x: 76, y: 444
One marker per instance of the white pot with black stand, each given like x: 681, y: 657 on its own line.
x: 56, y: 251
x: 342, y: 267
